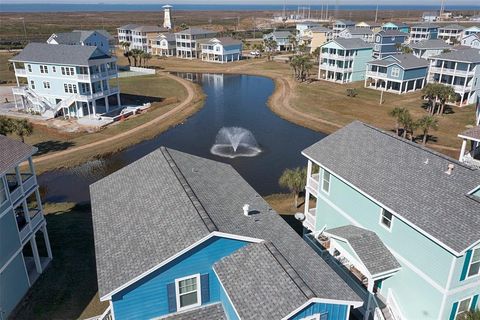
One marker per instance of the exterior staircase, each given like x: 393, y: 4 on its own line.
x: 42, y: 105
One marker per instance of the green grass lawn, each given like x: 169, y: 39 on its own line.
x: 5, y: 73
x: 68, y: 287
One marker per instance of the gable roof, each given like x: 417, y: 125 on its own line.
x: 357, y: 30
x: 370, y: 249
x: 65, y: 54
x: 320, y: 29
x: 345, y: 22
x: 128, y: 26
x: 430, y: 44
x: 257, y: 280
x: 409, y: 180
x: 466, y: 55
x: 149, y: 29
x: 13, y: 152
x: 227, y: 41
x: 209, y: 197
x: 392, y: 33
x: 352, y: 43
x: 169, y: 36
x: 77, y: 36
x: 279, y: 34
x: 405, y: 60
x: 452, y: 27
x: 196, y: 31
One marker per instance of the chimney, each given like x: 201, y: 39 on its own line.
x: 246, y: 209
x: 450, y: 168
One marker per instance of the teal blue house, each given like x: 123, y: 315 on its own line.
x: 344, y: 60
x: 23, y: 229
x: 401, y: 219
x: 402, y: 27
x: 182, y: 237
x: 400, y: 73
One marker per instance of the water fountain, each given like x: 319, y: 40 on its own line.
x: 232, y: 142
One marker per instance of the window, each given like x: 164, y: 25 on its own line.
x: 46, y: 84
x: 63, y: 70
x: 32, y: 84
x: 65, y: 88
x: 326, y: 181
x: 43, y: 69
x: 29, y: 67
x: 3, y: 191
x: 463, y: 308
x: 188, y: 292
x: 474, y: 268
x: 54, y: 69
x: 395, y: 72
x: 386, y: 219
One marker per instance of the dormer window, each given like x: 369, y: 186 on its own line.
x: 386, y: 219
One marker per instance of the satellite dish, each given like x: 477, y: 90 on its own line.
x: 299, y: 216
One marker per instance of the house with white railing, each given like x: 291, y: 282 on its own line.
x: 164, y: 45
x: 221, y: 50
x: 459, y: 69
x: 25, y: 246
x: 401, y: 221
x: 188, y: 42
x: 428, y: 48
x: 451, y: 33
x: 65, y: 80
x: 423, y: 31
x: 142, y: 36
x: 125, y: 33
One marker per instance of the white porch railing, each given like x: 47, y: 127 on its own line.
x: 376, y: 74
x: 471, y: 161
x: 21, y: 72
x: 313, y: 184
x: 309, y: 222
x: 106, y: 315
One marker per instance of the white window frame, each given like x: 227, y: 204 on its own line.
x: 312, y: 317
x: 3, y: 189
x: 29, y: 67
x: 470, y: 299
x: 473, y: 262
x: 199, y: 292
x: 46, y: 85
x: 395, y: 72
x: 323, y: 180
x: 382, y: 211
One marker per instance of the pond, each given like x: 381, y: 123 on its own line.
x: 238, y: 101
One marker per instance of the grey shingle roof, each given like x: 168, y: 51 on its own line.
x: 353, y: 43
x: 345, y: 22
x: 452, y: 27
x: 360, y: 31
x: 406, y: 178
x: 210, y: 312
x: 226, y: 41
x: 369, y: 248
x: 472, y: 133
x: 391, y: 33
x: 78, y: 36
x: 321, y: 29
x: 280, y: 34
x: 404, y: 60
x: 169, y: 36
x: 128, y: 26
x: 258, y: 284
x: 425, y: 25
x: 466, y: 55
x: 430, y: 44
x: 77, y: 55
x: 130, y: 223
x: 149, y: 29
x: 12, y: 152
x: 196, y: 31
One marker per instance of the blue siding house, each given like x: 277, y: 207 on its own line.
x: 402, y: 27
x: 386, y: 42
x: 282, y: 38
x: 22, y: 225
x: 390, y: 212
x: 399, y: 73
x: 221, y: 50
x: 198, y: 241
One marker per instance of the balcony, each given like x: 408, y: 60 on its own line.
x: 313, y: 184
x: 376, y: 74
x: 310, y: 218
x: 336, y: 56
x: 335, y: 68
x: 21, y: 72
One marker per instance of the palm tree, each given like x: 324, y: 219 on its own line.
x: 408, y: 124
x: 127, y: 55
x: 473, y: 315
x: 6, y: 125
x: 316, y: 54
x: 146, y: 57
x: 270, y: 46
x: 397, y: 113
x: 293, y: 42
x: 294, y: 180
x: 425, y: 124
x: 183, y: 26
x: 23, y: 128
x: 125, y: 45
x: 136, y: 55
x: 400, y: 47
x: 446, y: 93
x: 430, y: 91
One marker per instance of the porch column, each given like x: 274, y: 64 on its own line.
x: 107, y: 106
x: 94, y: 109
x: 118, y: 99
x: 36, y: 256
x: 47, y: 241
x: 462, y: 150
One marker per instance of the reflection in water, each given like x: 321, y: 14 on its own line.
x: 232, y: 101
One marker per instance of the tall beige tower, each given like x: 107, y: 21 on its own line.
x: 167, y: 19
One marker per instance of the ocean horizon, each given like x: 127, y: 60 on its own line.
x: 103, y: 7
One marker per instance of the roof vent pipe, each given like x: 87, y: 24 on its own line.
x: 246, y: 209
x: 450, y: 168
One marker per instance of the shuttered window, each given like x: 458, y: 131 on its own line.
x: 187, y: 292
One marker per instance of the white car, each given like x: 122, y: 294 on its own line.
x: 255, y: 53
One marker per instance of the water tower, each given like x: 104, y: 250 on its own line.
x: 167, y: 19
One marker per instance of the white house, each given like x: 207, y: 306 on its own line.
x: 451, y: 33
x: 471, y: 30
x: 472, y: 41
x: 361, y: 33
x: 97, y: 38
x: 428, y: 48
x: 221, y: 50
x: 164, y: 45
x: 430, y: 16
x: 188, y: 45
x: 68, y: 80
x: 124, y: 33
x: 142, y: 35
x: 423, y: 31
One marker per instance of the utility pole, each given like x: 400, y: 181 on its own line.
x: 376, y: 13
x: 24, y: 30
x: 442, y: 8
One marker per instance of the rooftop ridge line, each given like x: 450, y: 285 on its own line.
x: 299, y: 282
x: 209, y: 224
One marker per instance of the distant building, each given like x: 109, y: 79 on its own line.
x: 164, y: 45
x: 387, y: 42
x: 423, y: 31
x: 221, y: 50
x: 402, y: 27
x: 97, y: 38
x: 340, y: 25
x: 67, y: 80
x: 302, y: 27
x: 198, y: 242
x: 471, y: 30
x: 318, y: 36
x: 451, y: 34
x: 167, y: 17
x: 472, y: 41
x: 459, y: 69
x: 344, y: 60
x: 475, y: 18
x: 143, y: 35
x: 25, y: 246
x: 428, y: 48
x: 375, y: 27
x: 399, y: 73
x: 360, y: 33
x: 125, y: 33
x: 188, y: 42
x: 430, y: 16
x: 282, y: 38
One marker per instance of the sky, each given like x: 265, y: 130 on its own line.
x: 474, y: 3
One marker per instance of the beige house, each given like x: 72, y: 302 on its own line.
x: 318, y: 36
